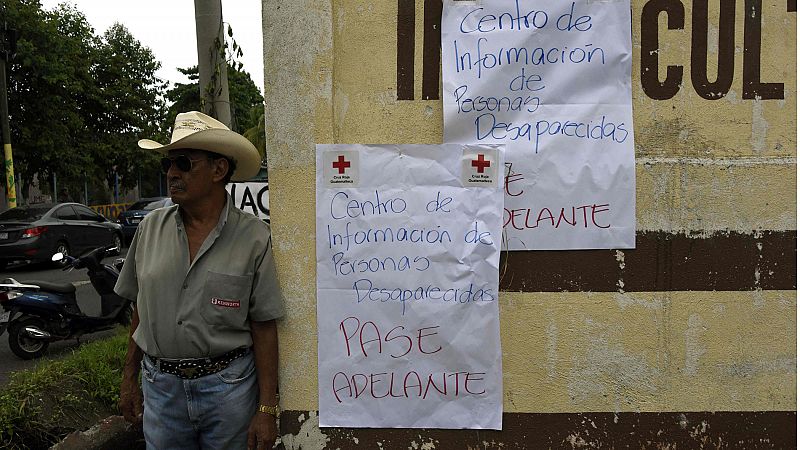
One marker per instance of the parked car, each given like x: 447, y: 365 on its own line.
x: 130, y: 218
x: 34, y: 233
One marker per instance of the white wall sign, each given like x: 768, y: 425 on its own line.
x: 552, y: 79
x: 407, y: 286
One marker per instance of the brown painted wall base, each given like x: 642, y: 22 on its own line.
x: 690, y: 430
x: 722, y: 261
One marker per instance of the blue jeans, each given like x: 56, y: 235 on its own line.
x: 211, y: 412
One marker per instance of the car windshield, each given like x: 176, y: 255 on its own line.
x: 138, y: 206
x: 155, y: 205
x: 25, y: 213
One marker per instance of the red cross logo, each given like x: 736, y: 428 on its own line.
x: 341, y: 164
x: 480, y: 163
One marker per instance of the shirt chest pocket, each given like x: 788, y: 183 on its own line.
x: 226, y: 300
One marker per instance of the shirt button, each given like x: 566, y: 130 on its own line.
x: 180, y: 322
x: 185, y: 286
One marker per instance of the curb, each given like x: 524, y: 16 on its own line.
x: 111, y: 432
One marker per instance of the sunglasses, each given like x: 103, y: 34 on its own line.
x: 182, y: 162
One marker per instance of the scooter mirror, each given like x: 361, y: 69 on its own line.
x: 57, y: 257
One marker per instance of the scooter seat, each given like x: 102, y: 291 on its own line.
x: 62, y: 288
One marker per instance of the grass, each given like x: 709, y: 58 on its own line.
x: 40, y: 406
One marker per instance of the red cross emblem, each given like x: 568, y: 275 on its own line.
x: 341, y: 164
x: 480, y: 163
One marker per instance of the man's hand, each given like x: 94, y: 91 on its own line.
x: 262, y: 432
x: 131, y: 402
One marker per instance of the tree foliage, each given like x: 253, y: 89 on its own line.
x: 78, y: 101
x: 247, y: 103
x: 130, y: 104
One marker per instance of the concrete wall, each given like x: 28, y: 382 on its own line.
x: 688, y: 340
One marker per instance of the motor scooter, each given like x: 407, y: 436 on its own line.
x: 37, y: 313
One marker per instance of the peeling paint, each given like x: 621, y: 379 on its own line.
x: 713, y: 47
x: 759, y: 128
x: 646, y: 300
x: 430, y: 445
x: 699, y: 430
x: 683, y: 422
x: 608, y: 370
x: 310, y: 436
x: 694, y: 345
x: 620, y: 255
x: 341, y: 103
x: 577, y: 441
x: 750, y: 369
x: 733, y: 97
x: 552, y: 349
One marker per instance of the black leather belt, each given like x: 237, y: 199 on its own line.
x: 190, y: 369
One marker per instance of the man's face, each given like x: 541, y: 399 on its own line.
x: 186, y: 187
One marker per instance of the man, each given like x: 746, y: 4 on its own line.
x: 203, y: 278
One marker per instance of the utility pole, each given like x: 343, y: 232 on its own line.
x: 8, y: 40
x: 211, y: 63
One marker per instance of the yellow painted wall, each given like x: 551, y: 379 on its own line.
x: 702, y: 166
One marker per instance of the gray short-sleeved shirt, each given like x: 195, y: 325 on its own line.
x: 202, y: 309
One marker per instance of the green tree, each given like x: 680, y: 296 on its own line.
x: 78, y: 102
x: 128, y: 105
x: 256, y: 133
x: 48, y: 84
x: 183, y: 96
x: 244, y: 96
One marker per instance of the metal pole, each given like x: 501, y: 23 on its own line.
x: 11, y: 185
x: 55, y: 189
x: 85, y: 192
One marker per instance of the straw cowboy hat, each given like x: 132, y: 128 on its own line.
x: 195, y: 130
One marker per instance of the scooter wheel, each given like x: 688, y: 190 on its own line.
x: 21, y: 344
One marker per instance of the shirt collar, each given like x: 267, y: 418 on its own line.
x: 223, y: 215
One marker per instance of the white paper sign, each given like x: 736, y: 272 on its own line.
x: 251, y: 197
x: 552, y: 79
x: 407, y: 286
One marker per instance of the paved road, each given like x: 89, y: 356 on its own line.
x: 88, y: 300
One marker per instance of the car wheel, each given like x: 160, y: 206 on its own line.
x: 63, y: 248
x: 117, y: 242
x: 23, y: 345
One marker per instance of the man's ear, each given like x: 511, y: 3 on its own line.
x: 221, y: 168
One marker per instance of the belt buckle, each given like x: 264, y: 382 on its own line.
x: 188, y: 372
